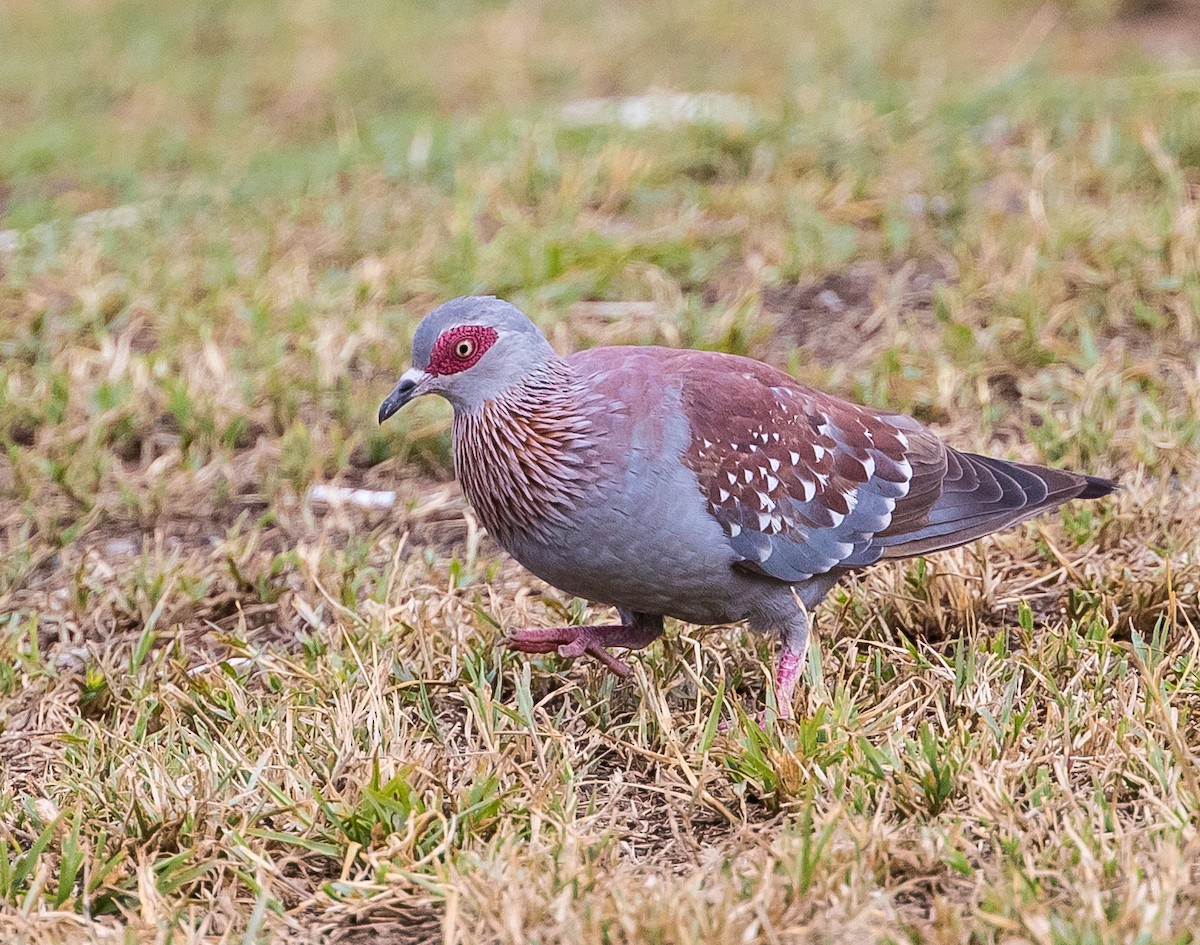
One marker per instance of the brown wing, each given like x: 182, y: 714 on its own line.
x: 804, y: 483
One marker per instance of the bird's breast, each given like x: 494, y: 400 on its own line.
x: 522, y: 470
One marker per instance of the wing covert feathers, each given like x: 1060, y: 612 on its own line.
x: 804, y: 483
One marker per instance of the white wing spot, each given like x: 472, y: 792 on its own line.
x: 747, y: 475
x: 734, y: 529
x: 795, y: 457
x: 772, y: 482
x: 774, y: 464
x: 724, y: 494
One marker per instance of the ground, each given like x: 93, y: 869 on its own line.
x: 230, y: 712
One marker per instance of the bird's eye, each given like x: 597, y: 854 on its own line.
x: 465, y: 348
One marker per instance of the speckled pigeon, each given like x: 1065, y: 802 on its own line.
x: 691, y: 484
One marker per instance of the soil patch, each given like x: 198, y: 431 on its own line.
x: 836, y: 315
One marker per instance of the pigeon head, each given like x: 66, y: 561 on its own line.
x: 471, y: 350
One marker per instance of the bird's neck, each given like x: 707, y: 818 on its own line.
x: 525, y: 458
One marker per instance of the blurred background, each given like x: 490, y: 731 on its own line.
x: 220, y: 222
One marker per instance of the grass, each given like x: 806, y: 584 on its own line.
x: 230, y: 714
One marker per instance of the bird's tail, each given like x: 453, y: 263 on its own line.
x: 982, y: 494
x: 1096, y: 487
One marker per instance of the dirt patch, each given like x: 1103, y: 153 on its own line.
x: 835, y: 315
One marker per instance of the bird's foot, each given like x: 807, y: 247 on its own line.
x: 579, y: 641
x: 787, y: 673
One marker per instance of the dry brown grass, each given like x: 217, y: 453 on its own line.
x: 231, y: 714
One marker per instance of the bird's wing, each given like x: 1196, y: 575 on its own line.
x: 804, y: 483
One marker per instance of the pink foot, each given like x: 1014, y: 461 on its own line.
x: 578, y: 641
x: 787, y: 673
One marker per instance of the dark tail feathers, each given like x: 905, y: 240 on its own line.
x: 982, y: 494
x: 1096, y: 487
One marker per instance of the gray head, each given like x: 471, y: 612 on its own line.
x: 470, y: 350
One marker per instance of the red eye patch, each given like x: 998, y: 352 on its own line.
x: 459, y: 348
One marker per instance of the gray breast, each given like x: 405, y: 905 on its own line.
x: 641, y: 537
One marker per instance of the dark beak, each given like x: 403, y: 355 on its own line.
x: 401, y: 394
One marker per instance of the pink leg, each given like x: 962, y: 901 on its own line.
x: 640, y: 630
x: 792, y: 654
x: 792, y: 657
x: 791, y: 664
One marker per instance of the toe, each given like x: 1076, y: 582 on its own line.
x: 614, y: 665
x: 576, y: 647
x: 542, y: 635
x: 531, y: 641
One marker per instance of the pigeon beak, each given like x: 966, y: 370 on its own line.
x: 402, y: 393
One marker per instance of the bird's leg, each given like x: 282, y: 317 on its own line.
x: 635, y: 632
x: 792, y: 655
x: 573, y: 641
